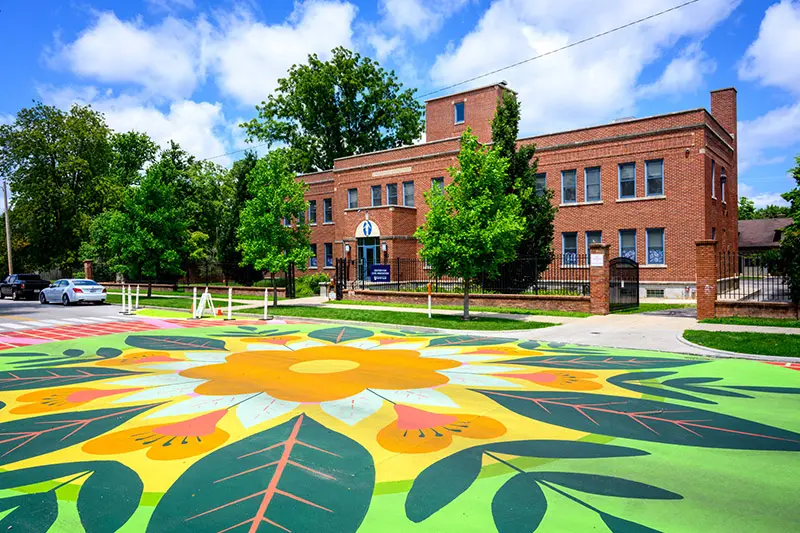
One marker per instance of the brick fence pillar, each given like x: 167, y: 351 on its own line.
x: 706, y: 275
x: 599, y: 278
x: 88, y: 269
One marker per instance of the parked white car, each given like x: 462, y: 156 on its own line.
x: 71, y: 291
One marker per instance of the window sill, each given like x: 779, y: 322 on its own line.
x: 329, y: 268
x: 313, y: 224
x: 574, y: 266
x: 328, y: 223
x: 575, y: 204
x: 652, y: 266
x: 457, y: 123
x: 641, y: 198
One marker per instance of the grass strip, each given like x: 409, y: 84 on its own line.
x: 648, y: 307
x: 754, y: 321
x: 478, y: 308
x: 776, y: 344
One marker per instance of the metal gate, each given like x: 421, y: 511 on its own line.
x: 340, y: 277
x: 623, y: 284
x: 290, y: 285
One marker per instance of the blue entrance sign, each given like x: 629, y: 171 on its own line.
x: 380, y: 273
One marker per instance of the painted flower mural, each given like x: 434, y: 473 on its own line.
x: 308, y: 428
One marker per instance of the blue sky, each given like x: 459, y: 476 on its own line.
x: 191, y: 70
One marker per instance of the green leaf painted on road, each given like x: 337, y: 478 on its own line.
x: 607, y: 486
x: 603, y: 362
x: 254, y: 333
x: 562, y: 449
x: 293, y: 477
x: 519, y: 506
x: 31, y: 437
x: 632, y: 381
x: 468, y: 340
x: 340, y: 334
x: 648, y: 420
x: 442, y: 482
x: 43, y: 378
x: 174, y: 342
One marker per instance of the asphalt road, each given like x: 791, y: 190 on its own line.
x: 26, y: 314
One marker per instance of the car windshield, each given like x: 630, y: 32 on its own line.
x: 81, y: 282
x: 28, y: 277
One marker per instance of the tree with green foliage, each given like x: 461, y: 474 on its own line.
x: 747, y: 209
x: 346, y: 105
x: 148, y: 237
x: 265, y: 240
x: 538, y: 210
x: 470, y: 229
x: 228, y: 247
x: 790, y: 243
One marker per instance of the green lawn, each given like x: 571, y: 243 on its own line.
x: 647, y: 307
x: 507, y: 310
x: 776, y: 344
x: 403, y: 319
x: 188, y: 294
x: 752, y: 321
x: 177, y: 303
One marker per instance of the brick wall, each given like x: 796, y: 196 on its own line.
x: 479, y: 109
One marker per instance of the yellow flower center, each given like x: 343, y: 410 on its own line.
x: 324, y: 366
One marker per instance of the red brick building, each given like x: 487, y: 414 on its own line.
x: 650, y: 187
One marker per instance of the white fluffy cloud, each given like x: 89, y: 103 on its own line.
x: 249, y: 56
x: 165, y: 59
x: 420, y: 17
x: 773, y: 58
x: 777, y: 129
x: 685, y: 73
x: 590, y: 83
x: 761, y: 199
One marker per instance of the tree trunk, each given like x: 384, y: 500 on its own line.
x: 149, y: 288
x: 466, y: 300
x: 274, y: 289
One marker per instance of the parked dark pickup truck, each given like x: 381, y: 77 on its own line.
x: 22, y: 286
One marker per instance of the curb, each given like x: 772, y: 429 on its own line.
x: 723, y: 354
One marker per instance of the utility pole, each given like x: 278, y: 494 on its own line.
x: 8, y: 230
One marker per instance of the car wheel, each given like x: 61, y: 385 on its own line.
x: 14, y: 294
x: 65, y: 299
x: 43, y: 299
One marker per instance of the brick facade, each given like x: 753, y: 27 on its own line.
x: 686, y: 144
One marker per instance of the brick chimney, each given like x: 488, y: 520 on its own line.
x: 723, y: 108
x: 448, y: 116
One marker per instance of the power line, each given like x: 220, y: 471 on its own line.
x: 576, y: 43
x: 518, y: 63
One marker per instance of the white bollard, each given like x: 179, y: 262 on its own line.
x: 266, y: 303
x: 130, y: 300
x: 429, y: 300
x: 194, y: 302
x: 230, y: 303
x: 123, y: 299
x: 137, y: 297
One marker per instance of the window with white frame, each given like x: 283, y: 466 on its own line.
x: 327, y: 210
x: 377, y: 195
x: 593, y: 237
x: 458, y: 112
x: 312, y: 212
x: 391, y: 194
x: 569, y: 187
x: 723, y: 180
x: 312, y: 262
x: 569, y: 245
x: 627, y: 180
x: 627, y: 243
x: 541, y: 183
x: 408, y: 193
x: 328, y: 254
x: 655, y: 246
x: 654, y: 184
x: 352, y: 198
x: 592, y: 178
x: 438, y: 182
x: 713, y: 179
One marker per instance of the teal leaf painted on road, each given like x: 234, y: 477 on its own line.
x: 620, y: 525
x: 43, y: 378
x: 771, y: 390
x: 442, y: 482
x: 292, y: 477
x: 603, y: 362
x: 607, y: 485
x: 31, y: 437
x: 633, y: 418
x: 32, y: 513
x: 519, y: 506
x: 562, y: 449
x: 254, y: 333
x: 340, y: 334
x: 174, y: 342
x: 632, y: 381
x: 468, y: 340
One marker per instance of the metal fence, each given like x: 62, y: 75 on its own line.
x: 566, y: 274
x: 756, y: 278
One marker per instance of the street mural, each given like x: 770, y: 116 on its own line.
x: 247, y: 426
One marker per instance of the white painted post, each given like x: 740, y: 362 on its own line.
x: 194, y: 302
x: 230, y: 303
x: 266, y: 303
x: 123, y: 299
x: 130, y: 299
x: 137, y: 296
x: 429, y: 300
